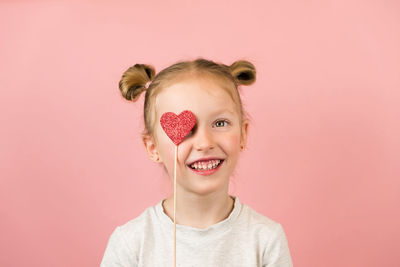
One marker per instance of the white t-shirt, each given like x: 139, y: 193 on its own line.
x: 245, y: 238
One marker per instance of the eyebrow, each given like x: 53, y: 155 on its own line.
x: 221, y: 111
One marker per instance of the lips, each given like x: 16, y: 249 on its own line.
x: 206, y: 172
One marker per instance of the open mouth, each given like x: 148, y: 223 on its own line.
x: 206, y: 168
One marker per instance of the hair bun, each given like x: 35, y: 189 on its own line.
x: 133, y: 81
x: 244, y: 72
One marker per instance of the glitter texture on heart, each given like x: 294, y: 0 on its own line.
x: 177, y: 127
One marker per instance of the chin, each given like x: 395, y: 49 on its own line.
x: 204, y: 188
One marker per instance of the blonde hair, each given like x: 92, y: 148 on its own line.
x: 135, y: 79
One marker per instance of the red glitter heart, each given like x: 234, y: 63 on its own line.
x: 177, y: 127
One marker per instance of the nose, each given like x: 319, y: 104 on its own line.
x: 203, y: 139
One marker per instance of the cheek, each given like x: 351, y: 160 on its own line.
x: 183, y: 152
x: 166, y: 148
x: 168, y: 152
x: 231, y: 143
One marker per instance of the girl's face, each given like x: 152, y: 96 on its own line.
x: 215, y: 135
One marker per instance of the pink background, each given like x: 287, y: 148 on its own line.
x: 323, y: 152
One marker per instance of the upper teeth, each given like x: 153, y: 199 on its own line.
x: 205, y: 165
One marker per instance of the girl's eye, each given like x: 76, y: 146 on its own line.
x: 221, y: 123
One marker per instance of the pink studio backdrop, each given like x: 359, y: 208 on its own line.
x: 323, y: 149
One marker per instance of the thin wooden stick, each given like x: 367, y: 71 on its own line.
x: 176, y: 152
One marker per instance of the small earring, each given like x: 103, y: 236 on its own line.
x: 241, y: 147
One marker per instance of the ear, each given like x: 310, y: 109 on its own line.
x: 243, y: 139
x: 151, y: 147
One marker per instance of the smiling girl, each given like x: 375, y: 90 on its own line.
x: 213, y: 228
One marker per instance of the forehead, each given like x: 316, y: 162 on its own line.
x: 202, y: 96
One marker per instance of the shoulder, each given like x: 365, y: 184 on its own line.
x: 136, y: 227
x: 132, y: 232
x: 271, y: 237
x: 256, y: 220
x: 124, y: 244
x: 267, y: 230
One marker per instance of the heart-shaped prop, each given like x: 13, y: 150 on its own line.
x: 177, y: 127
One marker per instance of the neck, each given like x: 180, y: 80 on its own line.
x: 199, y: 211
